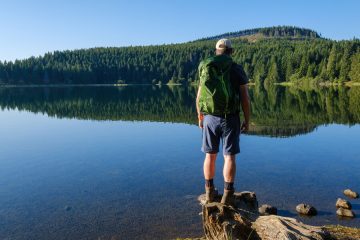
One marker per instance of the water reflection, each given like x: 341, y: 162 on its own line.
x: 276, y: 111
x: 111, y: 179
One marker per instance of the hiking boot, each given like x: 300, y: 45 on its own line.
x: 228, y: 197
x: 210, y: 193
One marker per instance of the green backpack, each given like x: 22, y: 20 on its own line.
x: 217, y: 95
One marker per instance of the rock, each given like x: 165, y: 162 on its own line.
x: 247, y: 200
x: 284, y: 228
x: 342, y: 203
x: 342, y: 212
x: 306, y: 209
x: 351, y: 194
x: 244, y: 199
x: 266, y: 209
x: 67, y: 208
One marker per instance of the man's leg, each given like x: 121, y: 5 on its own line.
x: 229, y: 170
x: 209, y: 173
x: 210, y: 146
x: 229, y: 177
x: 209, y: 166
x: 231, y: 147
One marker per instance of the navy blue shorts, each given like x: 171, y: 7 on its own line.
x: 218, y: 128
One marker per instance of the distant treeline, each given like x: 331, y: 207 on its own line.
x: 270, y: 60
x: 275, y: 111
x: 279, y: 31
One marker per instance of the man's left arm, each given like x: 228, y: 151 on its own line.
x: 244, y: 98
x: 245, y: 105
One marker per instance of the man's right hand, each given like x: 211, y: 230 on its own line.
x: 201, y: 124
x: 201, y: 120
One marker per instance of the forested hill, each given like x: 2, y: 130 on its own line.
x: 266, y: 61
x: 275, y: 32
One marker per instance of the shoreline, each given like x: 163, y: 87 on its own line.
x: 321, y: 84
x: 86, y: 85
x: 251, y: 83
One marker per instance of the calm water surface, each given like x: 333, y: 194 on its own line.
x: 125, y: 163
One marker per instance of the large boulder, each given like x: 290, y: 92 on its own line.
x: 243, y: 222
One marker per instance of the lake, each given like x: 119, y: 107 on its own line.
x: 125, y: 162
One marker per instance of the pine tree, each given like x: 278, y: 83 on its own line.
x: 331, y: 65
x: 354, y: 73
x: 273, y: 74
x: 345, y: 64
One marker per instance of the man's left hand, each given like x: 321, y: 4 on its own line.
x: 244, y: 127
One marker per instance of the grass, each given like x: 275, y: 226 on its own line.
x: 343, y: 233
x: 352, y: 83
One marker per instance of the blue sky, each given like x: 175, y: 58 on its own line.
x: 32, y: 28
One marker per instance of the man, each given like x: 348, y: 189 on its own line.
x: 222, y: 89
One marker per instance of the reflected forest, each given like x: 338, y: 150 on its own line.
x: 276, y: 110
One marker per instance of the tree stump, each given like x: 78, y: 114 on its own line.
x: 243, y: 222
